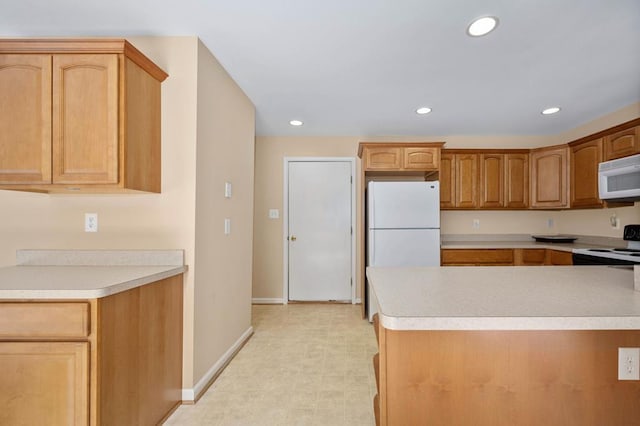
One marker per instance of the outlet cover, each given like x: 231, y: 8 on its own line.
x: 91, y: 222
x: 274, y: 213
x: 628, y: 363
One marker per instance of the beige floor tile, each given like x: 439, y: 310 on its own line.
x: 306, y: 364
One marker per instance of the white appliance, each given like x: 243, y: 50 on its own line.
x: 620, y: 179
x: 403, y: 226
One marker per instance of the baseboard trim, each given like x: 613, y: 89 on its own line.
x: 190, y: 396
x: 267, y: 301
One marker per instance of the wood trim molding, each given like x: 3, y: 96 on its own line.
x: 486, y: 151
x: 623, y: 126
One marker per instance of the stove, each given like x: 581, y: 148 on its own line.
x: 612, y: 256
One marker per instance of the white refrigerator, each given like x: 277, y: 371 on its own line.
x: 403, y: 226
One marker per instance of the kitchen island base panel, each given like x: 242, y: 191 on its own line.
x: 563, y: 377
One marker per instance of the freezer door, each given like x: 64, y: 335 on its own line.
x: 404, y: 247
x: 403, y: 205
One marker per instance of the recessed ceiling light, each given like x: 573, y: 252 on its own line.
x: 550, y: 111
x: 482, y: 26
x: 296, y: 123
x: 423, y: 110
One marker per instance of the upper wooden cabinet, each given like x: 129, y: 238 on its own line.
x: 466, y: 181
x: 400, y: 157
x: 447, y: 181
x: 79, y: 115
x: 585, y: 158
x: 621, y: 144
x: 492, y: 180
x: 485, y: 179
x: 516, y: 180
x: 459, y: 180
x: 549, y: 177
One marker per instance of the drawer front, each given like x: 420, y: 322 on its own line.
x: 37, y: 320
x: 468, y: 257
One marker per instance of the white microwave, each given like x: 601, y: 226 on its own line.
x: 619, y: 180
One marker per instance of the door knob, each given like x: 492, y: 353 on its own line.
x: 293, y: 238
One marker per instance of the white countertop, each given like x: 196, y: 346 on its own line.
x: 506, y: 298
x: 85, y: 274
x: 77, y: 282
x: 454, y: 245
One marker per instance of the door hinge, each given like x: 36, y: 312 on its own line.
x: 351, y: 279
x: 351, y: 179
x: 352, y: 230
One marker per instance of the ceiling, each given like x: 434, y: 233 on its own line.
x: 362, y: 67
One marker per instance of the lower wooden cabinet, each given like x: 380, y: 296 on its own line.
x: 476, y: 257
x: 559, y: 258
x: 116, y: 360
x: 44, y: 383
x: 505, y: 257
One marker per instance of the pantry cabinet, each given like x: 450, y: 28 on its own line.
x: 549, y: 177
x: 79, y: 115
x: 585, y: 158
x: 622, y: 143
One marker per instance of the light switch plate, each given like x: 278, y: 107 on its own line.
x: 227, y: 226
x: 227, y: 190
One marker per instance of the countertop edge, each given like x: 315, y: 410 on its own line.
x: 96, y: 293
x: 508, y: 323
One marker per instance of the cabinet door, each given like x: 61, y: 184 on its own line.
x: 549, y: 178
x: 421, y: 158
x: 491, y: 180
x: 516, y: 181
x: 447, y: 181
x: 584, y: 174
x: 466, y: 180
x: 382, y: 159
x: 25, y: 119
x: 85, y: 119
x: 44, y: 380
x: 558, y: 258
x: 622, y: 144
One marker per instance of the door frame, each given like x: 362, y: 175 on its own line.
x: 285, y: 220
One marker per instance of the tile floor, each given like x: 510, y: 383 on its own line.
x: 306, y: 364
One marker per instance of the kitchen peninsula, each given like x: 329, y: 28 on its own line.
x: 505, y: 345
x: 91, y: 337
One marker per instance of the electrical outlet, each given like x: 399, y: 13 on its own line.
x: 227, y: 226
x: 550, y: 223
x: 628, y: 363
x: 274, y: 213
x: 91, y: 222
x: 614, y: 221
x: 476, y: 223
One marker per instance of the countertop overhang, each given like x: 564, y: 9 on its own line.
x: 85, y: 274
x: 506, y: 298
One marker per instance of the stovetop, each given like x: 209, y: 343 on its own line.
x: 631, y: 253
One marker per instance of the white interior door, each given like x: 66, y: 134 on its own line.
x: 319, y: 230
